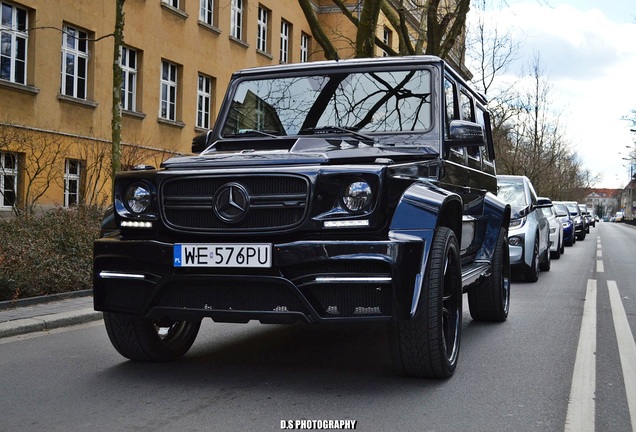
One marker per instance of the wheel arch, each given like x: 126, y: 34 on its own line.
x: 422, y: 208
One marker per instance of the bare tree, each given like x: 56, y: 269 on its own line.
x: 434, y: 25
x: 38, y: 156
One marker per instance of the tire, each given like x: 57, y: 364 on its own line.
x: 547, y: 262
x: 141, y: 339
x: 556, y: 254
x: 562, y: 248
x: 531, y: 274
x: 427, y: 346
x: 581, y: 236
x: 491, y: 301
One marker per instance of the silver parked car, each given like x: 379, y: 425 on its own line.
x: 529, y: 233
x: 556, y: 228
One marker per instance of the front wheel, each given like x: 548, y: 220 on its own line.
x: 142, y: 339
x: 491, y: 301
x: 532, y: 271
x: 427, y: 345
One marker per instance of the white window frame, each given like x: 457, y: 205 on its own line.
x: 173, y: 3
x: 72, y: 178
x: 16, y: 35
x: 261, y: 34
x: 204, y: 101
x: 169, y: 91
x: 8, y: 171
x: 236, y: 19
x: 386, y: 38
x: 75, y: 47
x: 304, y: 47
x: 129, y: 68
x: 285, y: 30
x: 206, y: 12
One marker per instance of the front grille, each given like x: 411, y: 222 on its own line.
x: 271, y: 202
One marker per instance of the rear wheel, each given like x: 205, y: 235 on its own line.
x: 546, y: 263
x: 142, y: 339
x: 491, y: 301
x: 428, y: 344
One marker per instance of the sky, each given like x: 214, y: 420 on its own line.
x: 587, y: 50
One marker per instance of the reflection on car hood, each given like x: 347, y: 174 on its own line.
x: 306, y: 150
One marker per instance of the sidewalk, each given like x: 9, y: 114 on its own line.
x: 46, y: 313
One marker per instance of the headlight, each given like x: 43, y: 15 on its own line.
x: 517, y: 223
x: 137, y: 198
x: 357, y: 196
x: 566, y: 224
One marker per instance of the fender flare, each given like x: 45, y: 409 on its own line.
x: 421, y: 209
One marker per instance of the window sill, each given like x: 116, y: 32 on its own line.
x: 174, y: 10
x: 239, y: 42
x: 265, y: 54
x: 19, y: 87
x: 172, y: 123
x: 209, y: 27
x: 76, y: 101
x: 134, y: 114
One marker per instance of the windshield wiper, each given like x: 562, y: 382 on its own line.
x: 331, y: 129
x: 252, y: 132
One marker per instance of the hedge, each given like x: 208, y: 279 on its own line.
x: 48, y: 253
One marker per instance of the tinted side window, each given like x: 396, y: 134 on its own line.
x: 449, y: 99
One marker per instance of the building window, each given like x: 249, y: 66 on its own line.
x: 129, y: 79
x: 74, y: 62
x: 206, y: 12
x: 236, y: 19
x: 8, y: 179
x: 72, y: 171
x: 304, y: 47
x: 387, y: 38
x: 173, y: 3
x: 168, y: 109
x: 261, y: 37
x: 13, y: 42
x: 204, y: 101
x: 284, y: 41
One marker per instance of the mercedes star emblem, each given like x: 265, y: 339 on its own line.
x: 231, y: 202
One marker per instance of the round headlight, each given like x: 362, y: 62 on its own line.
x: 357, y: 196
x: 137, y: 198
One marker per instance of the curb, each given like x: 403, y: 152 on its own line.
x: 48, y: 322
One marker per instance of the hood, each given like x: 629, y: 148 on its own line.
x: 306, y: 150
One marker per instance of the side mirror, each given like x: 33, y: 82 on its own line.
x: 544, y: 203
x: 200, y: 142
x: 464, y: 133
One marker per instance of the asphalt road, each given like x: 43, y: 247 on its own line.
x: 512, y: 376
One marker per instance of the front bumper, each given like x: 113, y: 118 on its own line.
x: 517, y: 252
x: 310, y: 281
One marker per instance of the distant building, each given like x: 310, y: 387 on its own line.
x: 605, y: 202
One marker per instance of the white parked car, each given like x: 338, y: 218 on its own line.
x: 556, y: 228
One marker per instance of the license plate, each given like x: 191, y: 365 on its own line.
x: 223, y: 255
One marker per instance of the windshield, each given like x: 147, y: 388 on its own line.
x: 573, y: 208
x: 386, y: 101
x: 512, y: 193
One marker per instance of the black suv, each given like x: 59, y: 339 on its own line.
x: 344, y: 191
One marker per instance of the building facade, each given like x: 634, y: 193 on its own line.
x: 56, y: 82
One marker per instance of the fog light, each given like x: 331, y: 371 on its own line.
x: 515, y: 241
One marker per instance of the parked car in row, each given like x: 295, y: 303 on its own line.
x: 529, y: 230
x: 556, y: 228
x: 569, y: 237
x: 587, y: 217
x: 580, y: 223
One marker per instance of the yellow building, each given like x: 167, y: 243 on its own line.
x: 56, y: 81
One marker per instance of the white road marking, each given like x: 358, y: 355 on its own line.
x: 581, y: 408
x: 599, y: 253
x: 626, y: 348
x: 599, y: 267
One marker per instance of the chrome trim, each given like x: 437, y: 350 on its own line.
x: 115, y: 275
x: 353, y: 279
